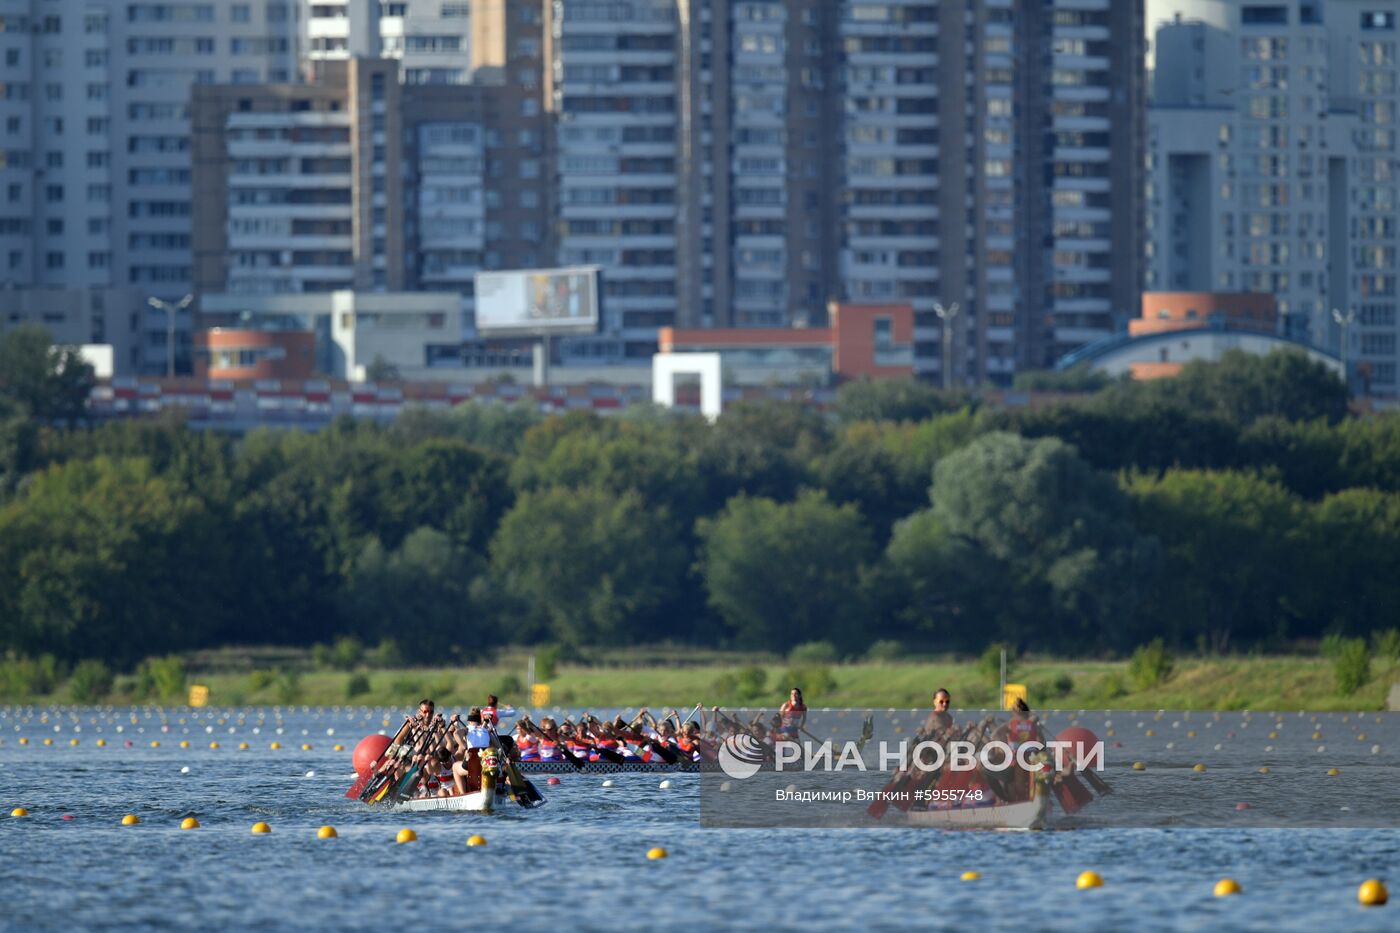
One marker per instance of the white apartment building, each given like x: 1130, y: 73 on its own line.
x: 1272, y: 164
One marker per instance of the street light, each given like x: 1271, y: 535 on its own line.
x: 946, y: 315
x: 170, y: 309
x: 1344, y: 321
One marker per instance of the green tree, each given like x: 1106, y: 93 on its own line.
x: 585, y: 566
x: 1079, y: 378
x: 892, y: 400
x: 381, y: 370
x: 1231, y: 546
x: 1059, y: 532
x: 785, y: 573
x: 761, y: 449
x: 102, y: 558
x: 52, y: 383
x: 1350, y: 552
x: 418, y: 595
x: 1245, y: 386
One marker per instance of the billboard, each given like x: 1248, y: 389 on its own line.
x: 537, y: 301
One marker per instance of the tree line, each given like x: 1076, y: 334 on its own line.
x: 1237, y: 506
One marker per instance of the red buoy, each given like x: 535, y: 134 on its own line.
x: 368, y: 751
x: 1082, y: 744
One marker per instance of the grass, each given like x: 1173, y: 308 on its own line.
x: 1265, y: 683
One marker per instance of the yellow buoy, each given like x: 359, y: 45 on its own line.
x: 1089, y: 879
x: 275, y: 745
x: 1316, y: 736
x: 1264, y: 770
x: 259, y: 828
x: 406, y: 835
x: 476, y: 840
x: 1139, y: 766
x: 1227, y: 886
x: 1372, y: 893
x: 326, y: 832
x: 1199, y: 767
x: 184, y: 743
x: 242, y: 746
x: 971, y: 875
x: 1273, y: 735
x: 101, y: 743
x: 213, y: 744
x: 23, y: 741
x: 131, y: 819
x: 19, y: 811
x: 657, y: 853
x: 1333, y: 772
x: 48, y: 741
x: 338, y: 748
x: 306, y: 746
x: 155, y: 743
x: 1191, y: 734
x: 1150, y: 733
x: 72, y: 741
x: 189, y: 822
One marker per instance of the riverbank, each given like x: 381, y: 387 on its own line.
x: 1260, y: 683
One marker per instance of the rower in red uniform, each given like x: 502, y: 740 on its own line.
x: 526, y: 744
x: 792, y: 715
x: 488, y: 712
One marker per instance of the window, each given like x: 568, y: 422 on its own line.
x: 1264, y: 16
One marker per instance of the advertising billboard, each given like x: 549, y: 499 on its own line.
x: 537, y: 301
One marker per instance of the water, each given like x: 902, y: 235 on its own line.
x: 580, y: 862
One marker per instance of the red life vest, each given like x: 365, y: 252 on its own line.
x: 1020, y: 730
x: 549, y: 750
x: 793, y: 715
x: 488, y: 716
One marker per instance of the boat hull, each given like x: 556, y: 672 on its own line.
x: 482, y: 801
x: 1029, y: 814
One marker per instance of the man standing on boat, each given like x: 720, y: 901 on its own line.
x: 940, y: 720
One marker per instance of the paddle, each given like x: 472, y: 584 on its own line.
x: 1096, y: 782
x: 429, y: 745
x: 358, y: 787
x: 379, y: 783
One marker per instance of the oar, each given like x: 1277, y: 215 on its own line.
x: 358, y: 787
x: 429, y: 746
x: 1096, y: 782
x: 375, y: 789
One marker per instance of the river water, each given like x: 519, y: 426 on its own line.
x: 1161, y: 840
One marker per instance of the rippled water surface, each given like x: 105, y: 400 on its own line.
x: 580, y: 862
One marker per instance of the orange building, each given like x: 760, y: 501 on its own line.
x: 1168, y: 311
x: 1177, y: 328
x: 863, y: 342
x: 224, y: 353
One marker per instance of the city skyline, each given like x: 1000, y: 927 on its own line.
x: 737, y: 164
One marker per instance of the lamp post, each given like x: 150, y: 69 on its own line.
x: 946, y: 316
x: 1344, y: 321
x: 170, y: 309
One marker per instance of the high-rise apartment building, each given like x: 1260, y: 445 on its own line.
x: 95, y: 133
x: 1272, y: 165
x: 985, y: 153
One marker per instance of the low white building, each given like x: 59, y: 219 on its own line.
x: 419, y: 334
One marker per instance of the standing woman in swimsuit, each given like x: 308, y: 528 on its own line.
x: 793, y: 715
